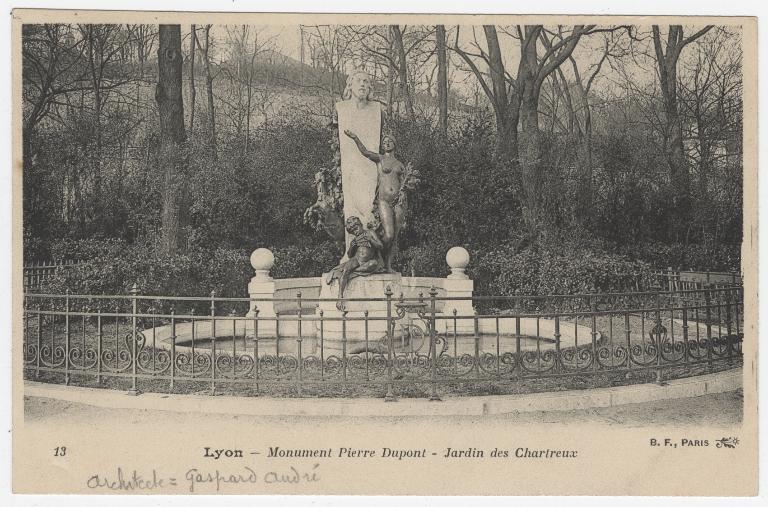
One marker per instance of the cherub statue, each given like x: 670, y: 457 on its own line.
x: 364, y: 257
x: 394, y: 179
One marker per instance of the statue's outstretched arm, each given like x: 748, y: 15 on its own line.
x: 375, y: 157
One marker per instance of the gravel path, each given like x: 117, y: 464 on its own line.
x: 713, y: 410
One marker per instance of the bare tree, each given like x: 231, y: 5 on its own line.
x: 579, y: 107
x: 143, y: 41
x: 711, y: 84
x: 442, y: 79
x: 330, y: 49
x: 667, y: 56
x: 52, y: 57
x: 205, y: 49
x: 170, y: 103
x: 250, y: 62
x: 402, y: 68
x: 104, y: 46
x: 506, y: 109
x: 69, y: 73
x: 515, y: 99
x: 192, y: 91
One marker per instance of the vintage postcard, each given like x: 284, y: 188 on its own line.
x: 315, y: 254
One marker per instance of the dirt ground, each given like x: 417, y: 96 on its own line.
x: 713, y: 410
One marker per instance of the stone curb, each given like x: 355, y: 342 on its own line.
x: 720, y: 382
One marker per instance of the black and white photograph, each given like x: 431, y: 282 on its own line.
x: 328, y: 229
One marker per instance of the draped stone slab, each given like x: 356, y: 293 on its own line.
x: 358, y: 174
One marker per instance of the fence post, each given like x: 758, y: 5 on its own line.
x: 256, y: 347
x: 322, y: 344
x: 99, y: 345
x: 628, y: 341
x: 476, y: 359
x: 39, y: 340
x: 558, y: 358
x: 659, y: 341
x: 173, y: 347
x: 134, y: 337
x: 389, y: 394
x: 298, y: 347
x: 708, y: 316
x: 433, y: 343
x: 67, y: 337
x: 686, y: 345
x: 343, y: 349
x: 739, y: 300
x: 213, y: 343
x: 593, y: 332
x: 729, y: 337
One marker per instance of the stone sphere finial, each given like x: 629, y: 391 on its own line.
x: 262, y: 260
x: 458, y: 260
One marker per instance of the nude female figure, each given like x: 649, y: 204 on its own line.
x: 388, y: 192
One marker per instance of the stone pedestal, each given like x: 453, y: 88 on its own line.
x: 265, y: 290
x: 458, y: 285
x: 336, y: 329
x: 458, y: 288
x: 262, y: 286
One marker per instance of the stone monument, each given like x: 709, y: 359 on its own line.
x: 371, y: 183
x: 359, y: 114
x: 362, y: 200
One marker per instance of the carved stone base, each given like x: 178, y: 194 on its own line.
x: 336, y: 329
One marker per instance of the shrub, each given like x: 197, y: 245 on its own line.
x: 305, y: 260
x: 191, y: 274
x: 504, y: 271
x: 424, y: 260
x: 691, y: 257
x: 68, y: 249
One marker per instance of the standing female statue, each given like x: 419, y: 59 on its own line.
x: 390, y: 193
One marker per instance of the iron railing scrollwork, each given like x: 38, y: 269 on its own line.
x: 155, y: 343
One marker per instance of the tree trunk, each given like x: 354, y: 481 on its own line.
x: 403, y: 71
x: 209, y: 91
x: 248, y: 111
x: 507, y: 112
x: 507, y: 142
x: 390, y: 77
x: 442, y: 80
x: 705, y: 154
x: 170, y: 106
x: 673, y: 132
x: 584, y: 153
x: 674, y: 135
x: 211, y: 116
x: 530, y: 136
x: 192, y: 91
x: 97, y: 152
x: 561, y: 87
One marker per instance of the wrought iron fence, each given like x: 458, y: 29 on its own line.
x: 427, y: 345
x: 671, y: 279
x: 37, y: 274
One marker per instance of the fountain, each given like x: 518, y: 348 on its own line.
x: 363, y: 306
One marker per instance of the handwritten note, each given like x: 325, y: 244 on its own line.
x: 199, y: 480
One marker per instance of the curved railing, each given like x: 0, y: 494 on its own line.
x: 427, y: 345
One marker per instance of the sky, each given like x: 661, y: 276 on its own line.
x: 287, y: 40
